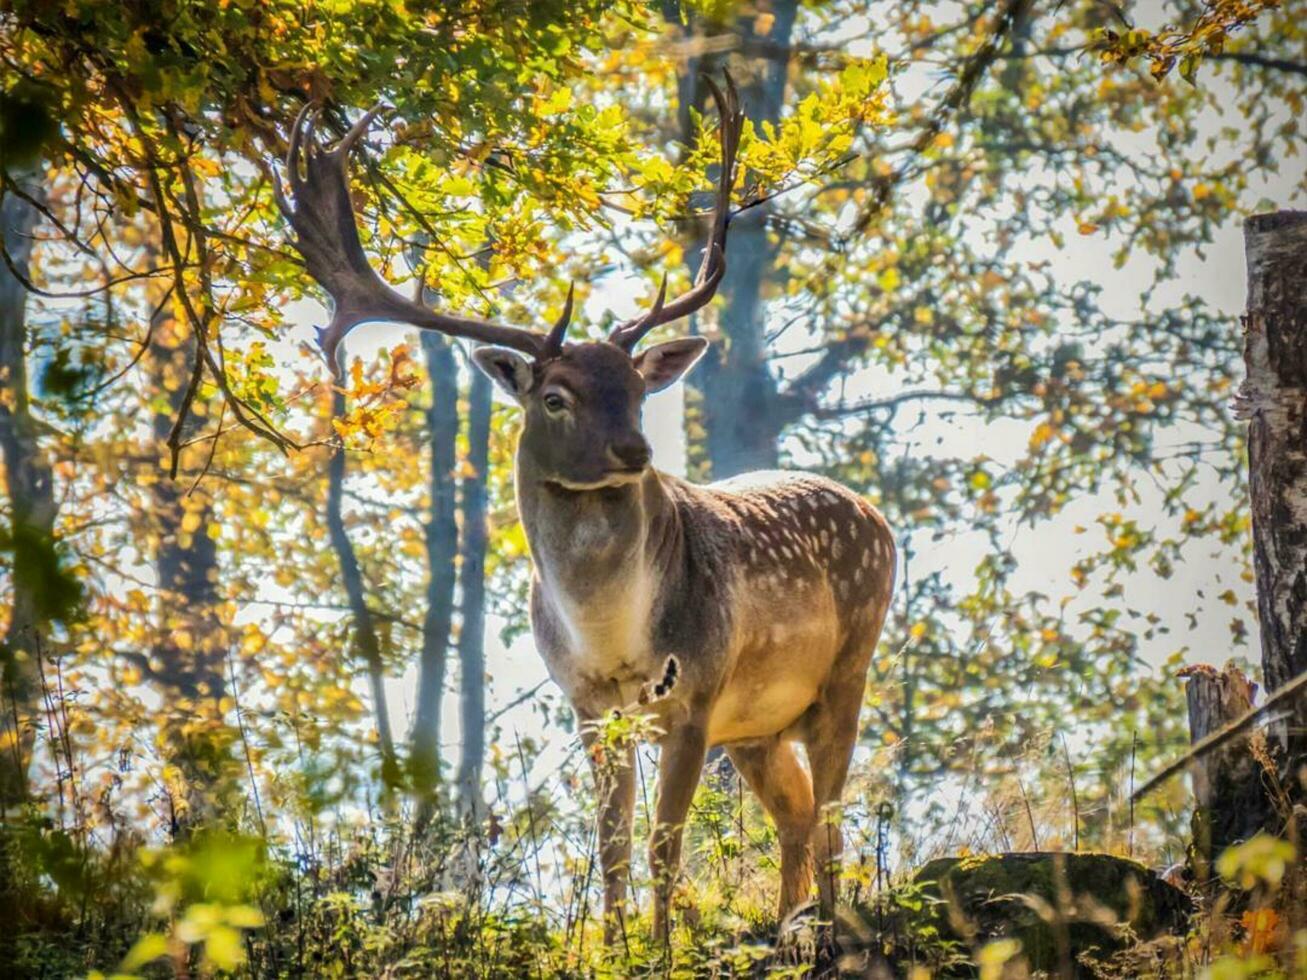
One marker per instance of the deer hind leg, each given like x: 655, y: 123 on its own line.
x: 774, y: 773
x: 832, y: 731
x: 680, y: 764
x: 615, y: 790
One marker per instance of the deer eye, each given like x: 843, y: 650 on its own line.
x: 554, y: 402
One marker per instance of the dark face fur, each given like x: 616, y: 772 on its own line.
x: 582, y: 427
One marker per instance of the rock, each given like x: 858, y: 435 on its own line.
x: 1060, y: 906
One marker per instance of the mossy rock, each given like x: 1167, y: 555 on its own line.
x: 1055, y: 904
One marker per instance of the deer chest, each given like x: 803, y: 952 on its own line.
x: 600, y: 656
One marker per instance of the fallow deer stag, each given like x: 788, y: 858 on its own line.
x: 741, y: 614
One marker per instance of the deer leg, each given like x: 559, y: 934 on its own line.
x: 774, y: 773
x: 832, y: 732
x: 679, y: 768
x: 615, y: 788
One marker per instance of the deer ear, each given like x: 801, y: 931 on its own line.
x: 506, y: 368
x: 663, y: 364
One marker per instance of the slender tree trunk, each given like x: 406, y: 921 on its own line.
x: 1274, y: 400
x: 366, y: 643
x: 30, y: 486
x: 737, y: 396
x: 441, y: 533
x: 472, y: 630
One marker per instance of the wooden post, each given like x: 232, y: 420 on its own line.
x: 1273, y: 398
x: 1231, y: 803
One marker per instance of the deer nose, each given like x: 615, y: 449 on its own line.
x: 631, y: 453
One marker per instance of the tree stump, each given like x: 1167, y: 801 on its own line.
x: 1061, y: 907
x: 1231, y: 803
x: 1273, y: 398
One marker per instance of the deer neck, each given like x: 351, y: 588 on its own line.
x: 600, y: 558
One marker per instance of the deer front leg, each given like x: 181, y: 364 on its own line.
x: 679, y: 768
x: 614, y: 776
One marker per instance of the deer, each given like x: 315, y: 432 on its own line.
x: 741, y: 614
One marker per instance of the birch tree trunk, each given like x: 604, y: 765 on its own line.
x: 1273, y: 399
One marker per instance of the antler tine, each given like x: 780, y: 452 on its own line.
x: 553, y: 345
x: 293, y: 153
x: 358, y: 129
x: 713, y: 265
x: 322, y: 214
x: 661, y: 298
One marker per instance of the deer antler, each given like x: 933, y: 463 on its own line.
x: 713, y: 266
x: 322, y: 215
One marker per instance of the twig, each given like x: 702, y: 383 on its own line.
x: 245, y: 744
x: 521, y: 698
x: 1030, y: 815
x: 530, y: 818
x: 213, y: 448
x: 1075, y: 802
x: 1134, y: 747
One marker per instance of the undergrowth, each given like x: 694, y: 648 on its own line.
x: 369, y: 899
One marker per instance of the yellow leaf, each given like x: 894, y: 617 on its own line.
x: 145, y: 950
x: 1043, y: 432
x: 1087, y: 227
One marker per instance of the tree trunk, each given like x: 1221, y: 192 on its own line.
x: 38, y: 583
x: 190, y: 646
x: 1231, y: 803
x: 737, y: 396
x: 1274, y: 400
x: 471, y: 637
x: 366, y: 642
x: 188, y: 652
x: 441, y: 533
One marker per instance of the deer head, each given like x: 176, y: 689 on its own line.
x: 582, y: 401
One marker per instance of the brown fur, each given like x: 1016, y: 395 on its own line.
x: 741, y: 614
